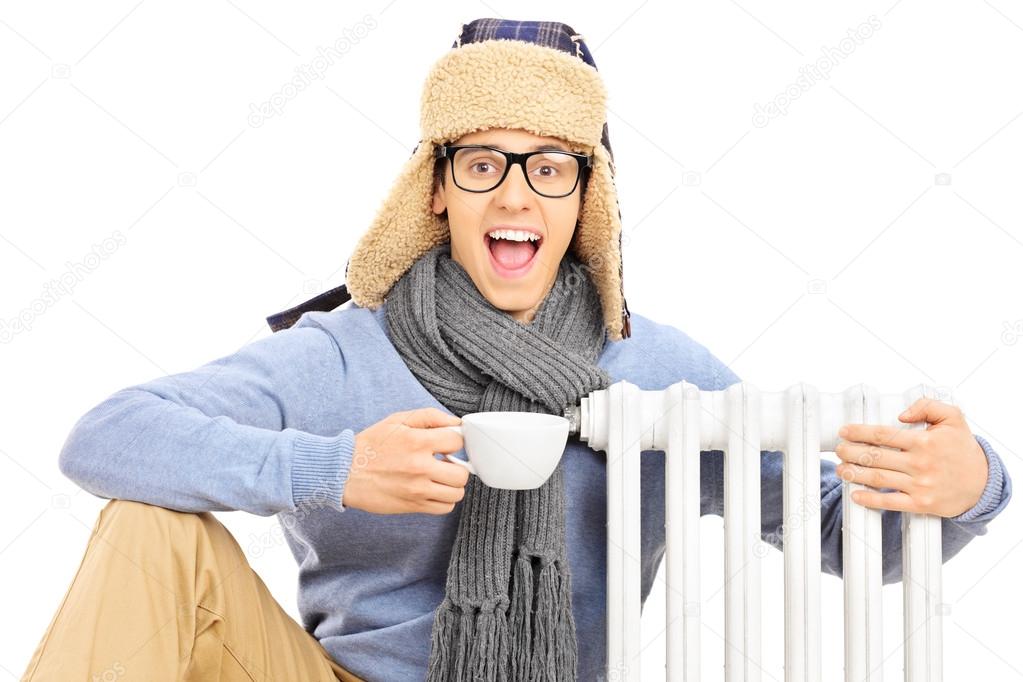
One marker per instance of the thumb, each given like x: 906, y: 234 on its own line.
x: 933, y: 411
x: 426, y: 417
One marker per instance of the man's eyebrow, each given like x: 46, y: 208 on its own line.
x: 534, y: 148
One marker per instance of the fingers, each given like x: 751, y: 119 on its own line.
x: 425, y: 417
x: 878, y: 500
x: 875, y: 478
x: 440, y: 440
x: 873, y: 456
x: 901, y: 437
x: 445, y: 493
x: 432, y: 507
x: 446, y: 473
x: 425, y: 429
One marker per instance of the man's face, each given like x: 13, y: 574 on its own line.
x: 472, y: 216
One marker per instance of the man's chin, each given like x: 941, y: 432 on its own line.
x: 515, y: 297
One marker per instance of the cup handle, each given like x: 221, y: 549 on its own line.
x: 454, y: 460
x: 460, y: 462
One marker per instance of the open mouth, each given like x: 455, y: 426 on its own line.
x: 511, y: 258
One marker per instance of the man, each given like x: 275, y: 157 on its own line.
x: 490, y: 280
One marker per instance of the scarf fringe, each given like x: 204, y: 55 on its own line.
x: 543, y: 637
x: 520, y: 616
x: 482, y: 649
x: 543, y: 668
x: 566, y: 657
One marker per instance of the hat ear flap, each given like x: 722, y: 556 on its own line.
x: 597, y: 239
x: 401, y: 232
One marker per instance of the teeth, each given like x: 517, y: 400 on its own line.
x: 514, y: 235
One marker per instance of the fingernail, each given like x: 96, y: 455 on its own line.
x: 844, y: 431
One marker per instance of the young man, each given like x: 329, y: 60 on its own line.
x: 491, y: 279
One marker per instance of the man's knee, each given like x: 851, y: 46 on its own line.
x: 151, y: 525
x: 166, y: 540
x: 132, y: 511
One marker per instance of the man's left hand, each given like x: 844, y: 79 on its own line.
x: 939, y: 470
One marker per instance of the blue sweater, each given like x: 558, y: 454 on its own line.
x: 268, y: 429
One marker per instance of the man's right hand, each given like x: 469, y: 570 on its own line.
x: 394, y: 469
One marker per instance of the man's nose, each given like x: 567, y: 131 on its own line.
x: 514, y: 193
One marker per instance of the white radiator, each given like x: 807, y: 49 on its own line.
x: 682, y: 420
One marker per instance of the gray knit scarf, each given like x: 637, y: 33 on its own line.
x: 507, y: 608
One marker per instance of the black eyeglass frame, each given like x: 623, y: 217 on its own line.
x: 585, y: 162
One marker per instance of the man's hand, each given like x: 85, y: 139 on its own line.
x: 394, y: 469
x: 941, y: 470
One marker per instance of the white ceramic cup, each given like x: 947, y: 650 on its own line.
x: 511, y: 450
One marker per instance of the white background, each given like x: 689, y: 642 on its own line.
x: 872, y: 233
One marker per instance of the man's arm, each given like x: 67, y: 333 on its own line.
x: 215, y: 438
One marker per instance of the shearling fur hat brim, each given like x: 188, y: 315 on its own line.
x: 499, y: 84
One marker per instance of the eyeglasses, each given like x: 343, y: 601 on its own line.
x: 549, y: 173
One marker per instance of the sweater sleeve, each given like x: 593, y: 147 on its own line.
x: 956, y: 531
x: 217, y: 438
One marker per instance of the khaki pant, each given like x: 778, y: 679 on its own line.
x: 169, y: 595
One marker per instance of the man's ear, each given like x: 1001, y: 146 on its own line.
x: 439, y: 201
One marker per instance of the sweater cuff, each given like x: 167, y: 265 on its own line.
x: 996, y: 492
x: 320, y: 468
